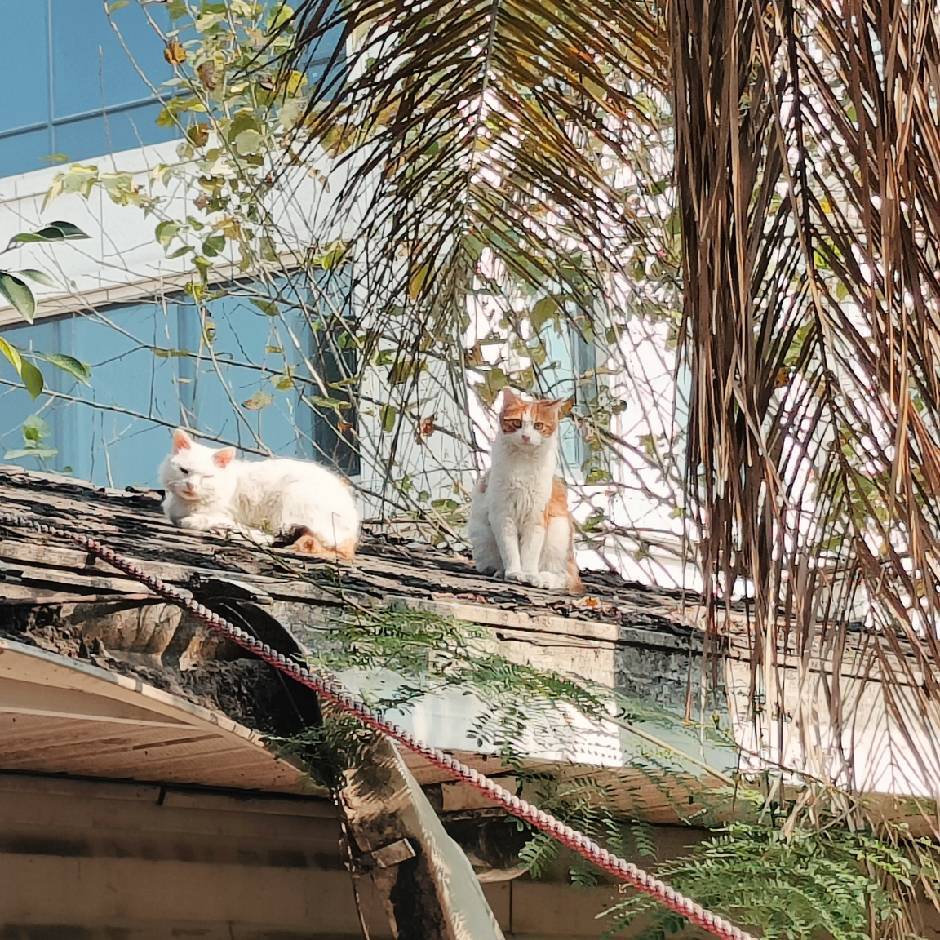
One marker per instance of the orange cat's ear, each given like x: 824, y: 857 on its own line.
x: 181, y: 441
x: 564, y: 406
x: 224, y: 457
x: 509, y: 398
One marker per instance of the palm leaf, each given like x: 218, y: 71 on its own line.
x: 475, y: 143
x: 477, y: 147
x: 807, y: 157
x: 482, y: 149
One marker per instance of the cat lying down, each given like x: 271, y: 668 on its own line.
x: 265, y: 500
x: 520, y: 525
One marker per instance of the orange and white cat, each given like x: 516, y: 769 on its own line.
x: 520, y: 527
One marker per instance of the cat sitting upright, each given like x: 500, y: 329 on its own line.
x: 520, y: 527
x: 266, y: 500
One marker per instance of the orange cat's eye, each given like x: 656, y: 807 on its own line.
x: 538, y: 425
x: 512, y: 424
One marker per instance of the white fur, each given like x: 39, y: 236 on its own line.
x: 209, y: 489
x: 507, y: 534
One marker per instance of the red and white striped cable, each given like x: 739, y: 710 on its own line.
x: 331, y: 690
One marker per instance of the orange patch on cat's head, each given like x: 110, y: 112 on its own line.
x: 545, y: 413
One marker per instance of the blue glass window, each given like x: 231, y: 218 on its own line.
x: 79, y: 93
x: 153, y: 365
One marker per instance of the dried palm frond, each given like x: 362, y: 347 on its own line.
x: 477, y: 152
x: 481, y: 150
x: 496, y: 149
x: 808, y: 151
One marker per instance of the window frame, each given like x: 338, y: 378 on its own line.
x: 51, y: 122
x: 571, y: 465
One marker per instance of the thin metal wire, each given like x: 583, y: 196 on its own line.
x: 330, y: 689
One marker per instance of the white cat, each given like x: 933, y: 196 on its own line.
x: 520, y: 527
x: 209, y: 489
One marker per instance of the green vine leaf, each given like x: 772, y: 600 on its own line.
x: 74, y: 367
x: 165, y: 232
x: 17, y: 292
x: 12, y: 354
x: 32, y: 379
x: 40, y: 277
x: 259, y: 400
x: 54, y: 232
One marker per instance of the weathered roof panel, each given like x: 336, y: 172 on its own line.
x: 130, y: 521
x: 63, y: 716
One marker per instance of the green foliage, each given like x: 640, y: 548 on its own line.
x: 786, y: 882
x: 256, y: 126
x: 18, y: 293
x: 12, y: 286
x: 428, y: 652
x: 35, y: 433
x: 237, y: 110
x: 825, y: 882
x: 585, y: 803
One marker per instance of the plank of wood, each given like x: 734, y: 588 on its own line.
x: 426, y: 883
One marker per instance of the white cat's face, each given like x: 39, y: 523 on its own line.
x: 196, y: 473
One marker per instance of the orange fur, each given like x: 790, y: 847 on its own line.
x: 557, y: 505
x: 545, y: 412
x: 575, y: 584
x: 346, y: 550
x: 309, y: 544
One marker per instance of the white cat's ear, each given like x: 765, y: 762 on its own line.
x: 181, y: 441
x: 564, y: 406
x: 223, y: 457
x: 509, y: 398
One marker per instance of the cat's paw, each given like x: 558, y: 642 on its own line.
x: 533, y: 578
x: 515, y: 574
x: 202, y: 522
x: 552, y: 580
x: 253, y: 535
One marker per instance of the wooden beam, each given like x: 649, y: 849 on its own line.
x: 403, y: 853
